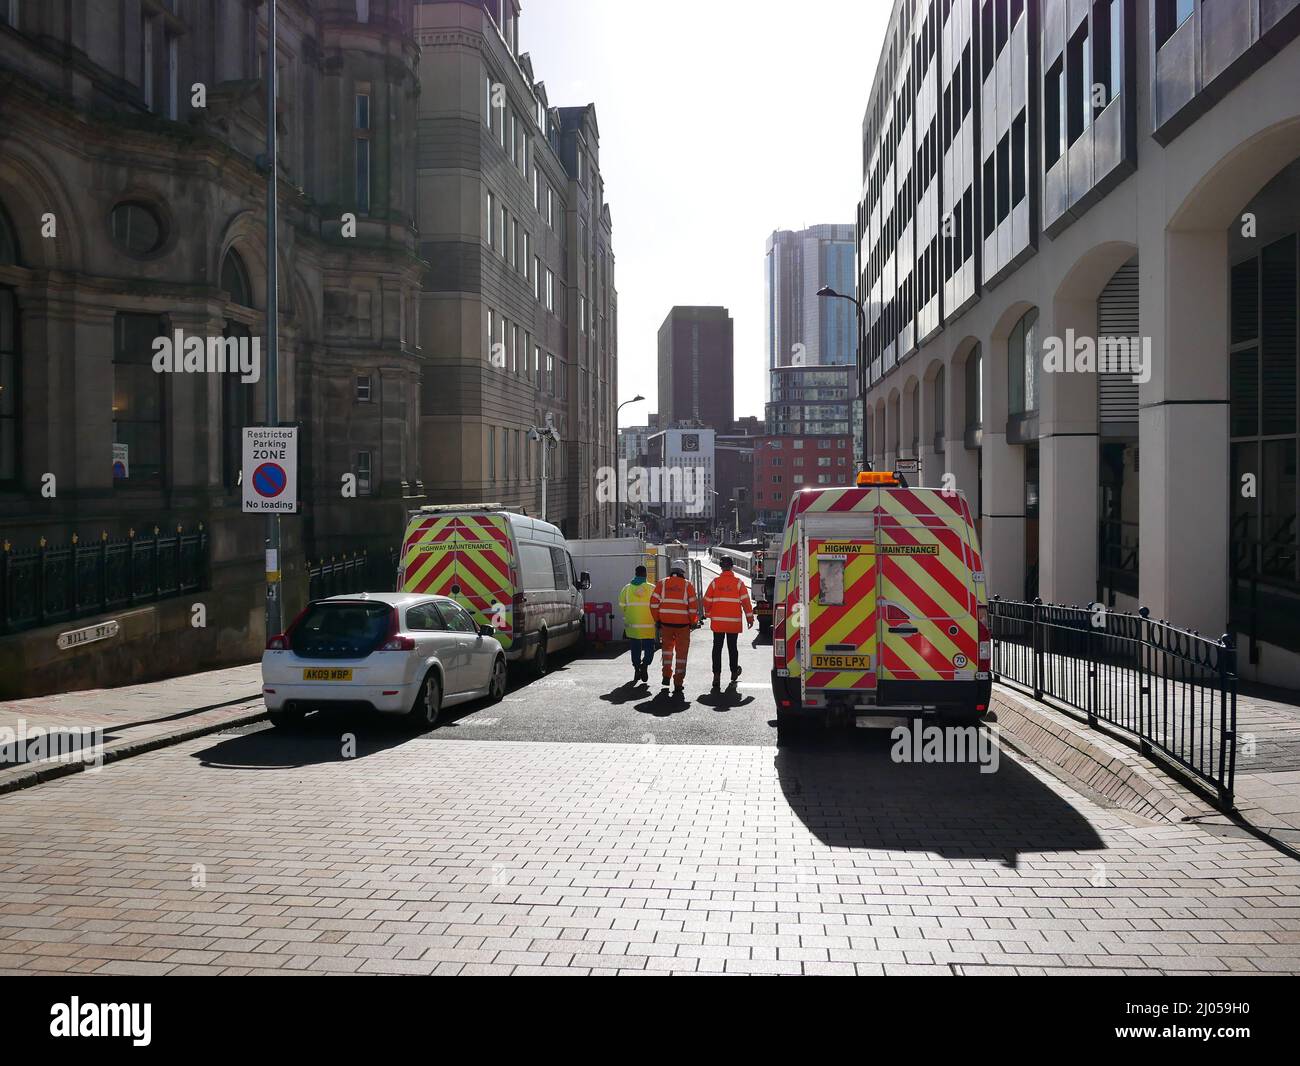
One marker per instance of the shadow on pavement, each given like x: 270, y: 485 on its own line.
x: 663, y: 704
x: 846, y: 788
x: 724, y: 699
x: 319, y: 738
x: 626, y: 693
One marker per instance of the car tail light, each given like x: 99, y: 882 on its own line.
x: 281, y: 641
x: 395, y: 641
x: 985, y: 638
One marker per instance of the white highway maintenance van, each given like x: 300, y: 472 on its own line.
x: 880, y: 606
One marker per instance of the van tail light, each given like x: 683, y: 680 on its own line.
x: 985, y: 639
x: 517, y: 614
x: 282, y: 641
x: 778, y: 637
x: 395, y: 641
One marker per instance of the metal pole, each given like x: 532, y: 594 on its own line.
x: 546, y: 452
x: 273, y: 585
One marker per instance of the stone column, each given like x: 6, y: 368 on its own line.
x: 1183, y: 431
x: 1068, y: 465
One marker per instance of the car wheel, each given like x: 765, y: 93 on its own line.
x: 540, y: 663
x: 497, y: 683
x: 427, y: 709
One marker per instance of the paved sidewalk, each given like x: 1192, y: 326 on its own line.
x: 130, y: 720
x: 265, y: 851
x: 1268, y: 763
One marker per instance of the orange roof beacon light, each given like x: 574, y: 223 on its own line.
x: 877, y: 477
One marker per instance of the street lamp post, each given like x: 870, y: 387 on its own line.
x: 549, y: 439
x: 274, y: 607
x: 826, y: 290
x: 635, y: 399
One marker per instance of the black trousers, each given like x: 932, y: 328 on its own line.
x: 733, y: 653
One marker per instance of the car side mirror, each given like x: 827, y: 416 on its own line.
x: 486, y: 630
x: 584, y: 581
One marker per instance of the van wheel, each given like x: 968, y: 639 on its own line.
x: 497, y: 683
x: 968, y: 716
x: 793, y: 725
x: 426, y: 712
x: 540, y: 662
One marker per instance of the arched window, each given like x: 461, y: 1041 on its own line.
x: 1023, y: 364
x: 9, y: 357
x: 974, y: 390
x: 234, y: 279
x: 940, y: 408
x: 237, y: 397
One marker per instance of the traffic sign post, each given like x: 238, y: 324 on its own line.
x: 270, y: 484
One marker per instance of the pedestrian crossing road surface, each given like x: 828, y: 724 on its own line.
x: 566, y: 830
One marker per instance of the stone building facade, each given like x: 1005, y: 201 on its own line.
x: 518, y: 320
x: 1040, y: 176
x: 132, y: 205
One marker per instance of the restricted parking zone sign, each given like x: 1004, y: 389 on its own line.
x: 270, y: 469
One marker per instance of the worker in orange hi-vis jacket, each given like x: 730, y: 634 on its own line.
x: 725, y: 600
x: 676, y: 611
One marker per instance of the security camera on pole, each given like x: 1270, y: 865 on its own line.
x: 549, y: 438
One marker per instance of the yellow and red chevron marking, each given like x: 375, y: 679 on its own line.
x: 483, y: 575
x: 935, y: 593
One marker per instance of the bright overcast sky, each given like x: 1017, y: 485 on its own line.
x: 720, y: 121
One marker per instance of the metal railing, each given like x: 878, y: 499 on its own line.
x: 361, y: 571
x: 1172, y: 688
x: 44, y: 585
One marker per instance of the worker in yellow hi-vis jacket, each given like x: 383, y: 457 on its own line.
x: 638, y: 623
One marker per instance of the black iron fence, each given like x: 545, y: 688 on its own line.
x: 1172, y: 688
x: 361, y: 571
x: 43, y: 585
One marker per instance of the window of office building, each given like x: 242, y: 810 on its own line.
x: 1078, y: 67
x: 365, y: 484
x: 1170, y: 14
x: 974, y: 390
x: 1262, y: 380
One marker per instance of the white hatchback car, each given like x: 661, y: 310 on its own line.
x: 391, y: 652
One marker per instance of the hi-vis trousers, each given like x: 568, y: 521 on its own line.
x: 675, y: 642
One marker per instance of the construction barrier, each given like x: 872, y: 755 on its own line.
x: 599, y: 621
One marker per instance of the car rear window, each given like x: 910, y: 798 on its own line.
x: 341, y: 630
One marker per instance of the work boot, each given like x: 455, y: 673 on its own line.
x: 735, y: 672
x: 717, y: 682
x: 667, y: 680
x: 677, y: 689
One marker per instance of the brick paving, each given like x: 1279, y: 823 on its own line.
x: 257, y: 853
x: 131, y: 717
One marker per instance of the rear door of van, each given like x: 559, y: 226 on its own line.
x: 838, y: 574
x: 469, y: 557
x: 927, y: 596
